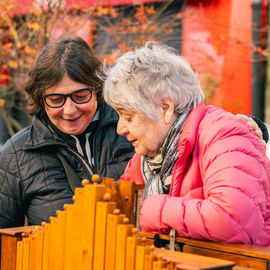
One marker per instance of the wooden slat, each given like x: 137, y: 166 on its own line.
x: 111, y: 233
x: 102, y: 210
x: 26, y: 251
x: 127, y: 190
x: 158, y: 264
x: 53, y: 240
x: 141, y: 251
x: 9, y: 246
x: 32, y: 252
x: 123, y: 231
x: 39, y: 248
x: 59, y: 240
x: 92, y: 194
x: 148, y: 261
x: 132, y: 242
x: 19, y: 256
x: 144, y: 256
x: 46, y: 246
x: 74, y: 227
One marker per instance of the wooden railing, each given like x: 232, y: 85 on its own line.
x: 244, y: 256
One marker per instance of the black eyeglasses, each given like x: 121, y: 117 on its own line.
x: 80, y: 96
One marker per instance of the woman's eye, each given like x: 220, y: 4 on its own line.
x: 56, y: 99
x: 128, y: 118
x: 80, y: 97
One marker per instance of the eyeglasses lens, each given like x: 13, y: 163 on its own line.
x: 55, y: 100
x: 79, y: 97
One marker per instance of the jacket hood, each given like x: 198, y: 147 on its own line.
x: 107, y: 115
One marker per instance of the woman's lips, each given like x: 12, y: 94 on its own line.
x: 72, y: 120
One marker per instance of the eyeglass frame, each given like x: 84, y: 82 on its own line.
x: 90, y: 89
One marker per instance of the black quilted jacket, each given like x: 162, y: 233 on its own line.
x: 32, y: 179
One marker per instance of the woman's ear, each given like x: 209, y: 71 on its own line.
x: 167, y: 107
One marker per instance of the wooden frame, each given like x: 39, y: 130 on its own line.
x: 10, y: 237
x: 245, y: 256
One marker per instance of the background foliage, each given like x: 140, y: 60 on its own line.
x: 24, y: 32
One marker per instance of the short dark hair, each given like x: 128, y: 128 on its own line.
x: 69, y: 55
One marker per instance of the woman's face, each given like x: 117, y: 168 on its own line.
x: 71, y: 118
x: 147, y: 136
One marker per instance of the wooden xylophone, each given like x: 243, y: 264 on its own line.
x: 94, y: 233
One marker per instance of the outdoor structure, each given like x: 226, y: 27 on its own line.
x: 224, y: 46
x: 220, y: 42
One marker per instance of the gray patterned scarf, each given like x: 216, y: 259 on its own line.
x: 157, y: 171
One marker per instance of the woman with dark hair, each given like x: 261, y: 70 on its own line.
x: 72, y: 135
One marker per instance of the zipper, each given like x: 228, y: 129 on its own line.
x: 82, y: 159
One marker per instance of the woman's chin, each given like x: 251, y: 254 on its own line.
x: 144, y: 152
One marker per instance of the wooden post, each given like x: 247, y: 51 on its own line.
x: 92, y: 194
x: 19, y: 257
x: 132, y: 242
x: 102, y: 210
x: 46, y: 245
x: 60, y: 240
x: 111, y: 234
x: 26, y: 251
x: 123, y: 231
x: 10, y: 237
x: 74, y: 227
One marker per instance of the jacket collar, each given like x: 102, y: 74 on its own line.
x: 190, y: 131
x: 186, y: 145
x: 107, y: 115
x: 40, y: 134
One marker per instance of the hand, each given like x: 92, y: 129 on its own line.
x: 151, y: 214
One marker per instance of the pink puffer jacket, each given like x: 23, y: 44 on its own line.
x: 220, y: 185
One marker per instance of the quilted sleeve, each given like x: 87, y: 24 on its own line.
x: 11, y: 191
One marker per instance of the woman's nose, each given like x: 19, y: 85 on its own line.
x: 69, y: 106
x: 121, y: 127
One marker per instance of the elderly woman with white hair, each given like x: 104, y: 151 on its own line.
x: 205, y: 171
